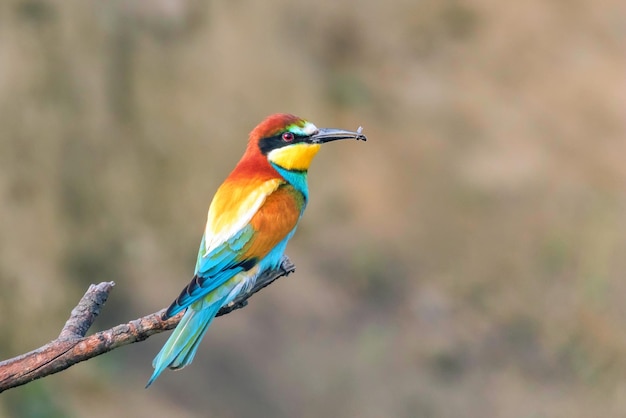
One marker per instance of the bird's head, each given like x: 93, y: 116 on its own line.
x: 290, y: 142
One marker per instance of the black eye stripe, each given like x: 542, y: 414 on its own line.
x: 277, y: 141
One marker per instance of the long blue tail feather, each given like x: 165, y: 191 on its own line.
x: 182, y: 345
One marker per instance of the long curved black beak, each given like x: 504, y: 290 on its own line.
x: 324, y: 135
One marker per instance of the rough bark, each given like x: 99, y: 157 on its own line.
x: 73, y: 346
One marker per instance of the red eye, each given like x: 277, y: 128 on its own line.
x: 287, y: 137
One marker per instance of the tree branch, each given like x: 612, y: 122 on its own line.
x: 72, y: 346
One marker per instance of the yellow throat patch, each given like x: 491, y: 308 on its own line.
x: 294, y: 157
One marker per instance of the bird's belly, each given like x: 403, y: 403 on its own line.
x: 239, y: 283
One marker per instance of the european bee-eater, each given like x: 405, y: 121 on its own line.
x: 252, y: 216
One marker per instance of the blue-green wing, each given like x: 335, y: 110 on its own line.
x: 214, y: 269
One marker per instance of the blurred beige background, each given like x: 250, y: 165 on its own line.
x: 467, y: 261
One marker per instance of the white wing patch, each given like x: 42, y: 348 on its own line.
x: 248, y: 206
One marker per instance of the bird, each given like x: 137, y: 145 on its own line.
x: 251, y: 218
